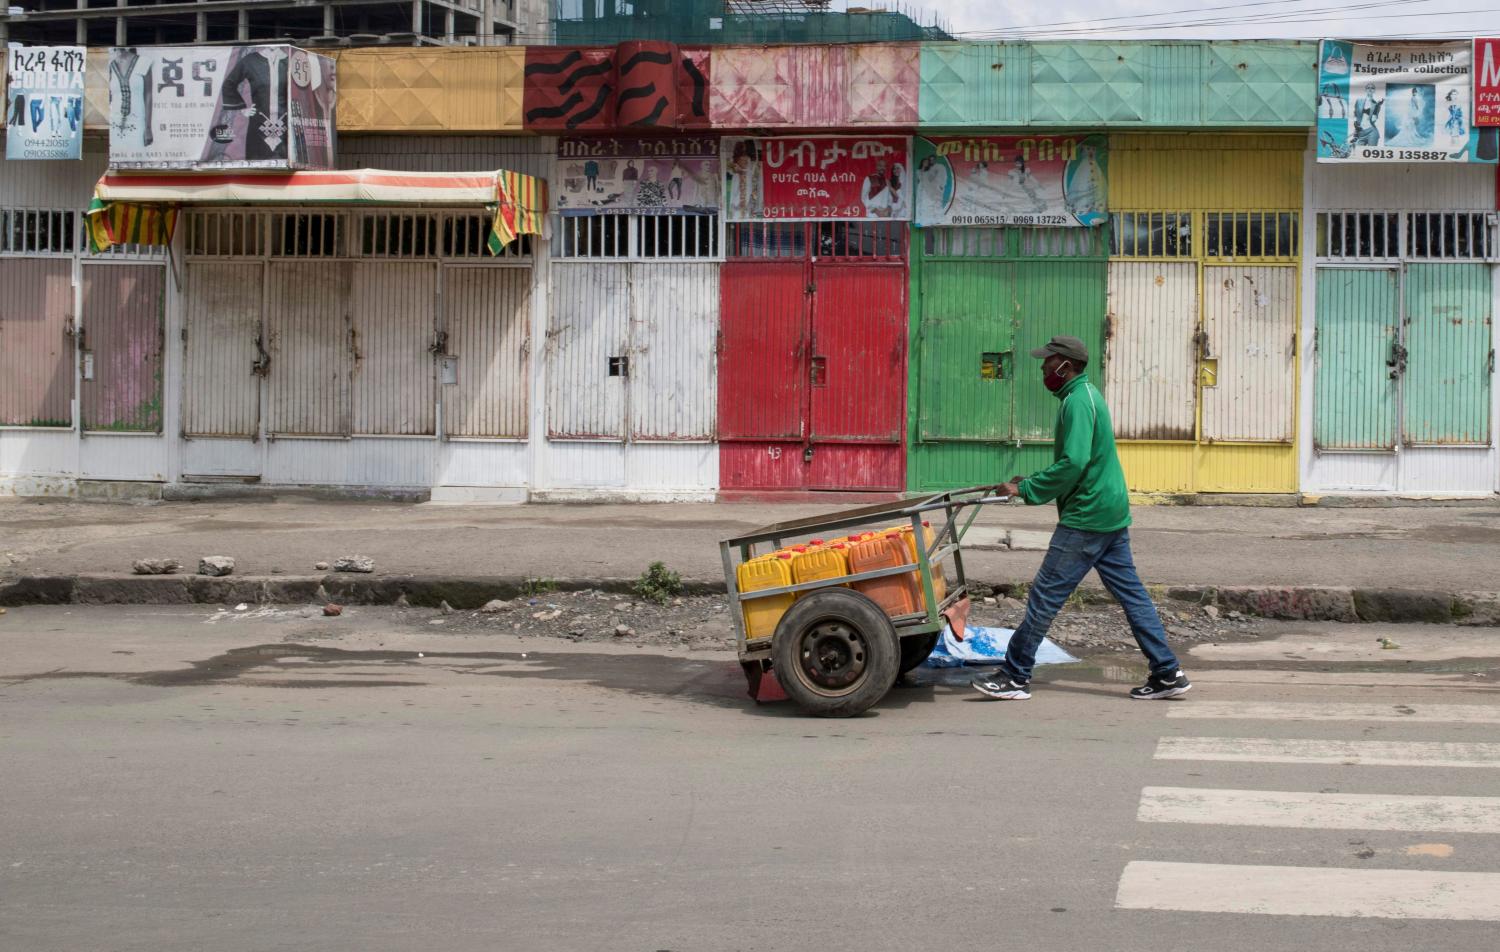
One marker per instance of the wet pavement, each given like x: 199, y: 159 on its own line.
x: 189, y: 779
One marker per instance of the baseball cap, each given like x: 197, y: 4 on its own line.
x: 1070, y: 347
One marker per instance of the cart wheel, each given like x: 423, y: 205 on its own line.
x: 835, y: 653
x: 915, y: 649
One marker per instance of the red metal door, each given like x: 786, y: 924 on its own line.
x: 858, y: 375
x: 762, y: 374
x: 812, y: 357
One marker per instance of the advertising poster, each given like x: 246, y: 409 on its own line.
x: 44, y: 102
x: 1012, y: 180
x: 804, y: 178
x: 1487, y: 82
x: 638, y: 175
x: 1398, y: 102
x: 221, y: 107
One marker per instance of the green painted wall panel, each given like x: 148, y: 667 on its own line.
x: 1053, y: 298
x: 1125, y: 84
x: 965, y: 429
x: 933, y: 467
x: 1358, y: 321
x: 964, y: 396
x: 1450, y: 362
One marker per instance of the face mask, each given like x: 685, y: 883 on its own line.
x: 1053, y: 381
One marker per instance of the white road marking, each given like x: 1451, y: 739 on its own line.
x: 1303, y: 891
x: 1348, y: 679
x: 1326, y: 811
x: 1367, y: 711
x: 1270, y: 750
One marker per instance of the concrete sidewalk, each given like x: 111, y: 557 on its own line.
x: 1438, y: 548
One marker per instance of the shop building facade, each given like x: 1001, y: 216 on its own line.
x: 1264, y: 323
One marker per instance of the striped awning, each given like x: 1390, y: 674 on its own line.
x: 519, y: 202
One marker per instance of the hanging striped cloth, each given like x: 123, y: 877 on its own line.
x: 520, y: 209
x: 129, y: 223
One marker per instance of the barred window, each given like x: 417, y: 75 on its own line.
x: 1063, y: 242
x: 398, y: 235
x: 1163, y: 234
x: 768, y: 239
x: 964, y: 242
x: 33, y: 231
x: 860, y: 240
x: 1449, y: 236
x: 637, y: 236
x: 225, y: 233
x: 307, y: 235
x: 1359, y: 235
x: 1251, y: 234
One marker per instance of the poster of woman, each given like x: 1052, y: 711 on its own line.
x: 1012, y: 180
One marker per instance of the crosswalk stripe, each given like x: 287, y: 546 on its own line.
x: 1305, y: 891
x: 1282, y: 678
x: 1368, y: 711
x: 1270, y: 750
x: 1327, y: 811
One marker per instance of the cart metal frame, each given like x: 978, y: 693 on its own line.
x: 947, y: 544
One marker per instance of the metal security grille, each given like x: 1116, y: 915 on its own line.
x: 467, y: 236
x: 307, y: 235
x: 1264, y: 236
x: 38, y: 231
x: 1450, y: 236
x: 767, y: 239
x: 225, y: 234
x: 964, y: 242
x: 1391, y: 236
x: 638, y: 237
x: 1151, y: 234
x: 1063, y: 242
x: 860, y: 240
x: 1359, y: 236
x: 398, y: 235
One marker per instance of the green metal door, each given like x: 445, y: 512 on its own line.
x: 1450, y: 357
x: 965, y: 352
x: 1057, y: 297
x: 1358, y: 345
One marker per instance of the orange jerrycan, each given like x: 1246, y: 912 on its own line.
x: 939, y: 584
x: 762, y: 614
x: 824, y: 562
x: 895, y: 594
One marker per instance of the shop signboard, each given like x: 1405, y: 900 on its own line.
x: 44, y: 102
x: 1487, y: 82
x: 640, y: 175
x: 1051, y: 180
x: 813, y: 178
x: 221, y: 107
x: 1399, y: 102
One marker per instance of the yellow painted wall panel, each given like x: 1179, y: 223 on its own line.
x: 1158, y: 467
x: 1210, y: 172
x: 1247, y: 469
x: 431, y: 89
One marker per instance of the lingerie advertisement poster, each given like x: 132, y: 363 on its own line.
x: 44, y: 102
x: 211, y: 107
x: 1399, y: 102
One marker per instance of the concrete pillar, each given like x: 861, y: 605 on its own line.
x: 242, y: 27
x: 122, y: 35
x: 80, y: 27
x: 202, y: 30
x: 328, y: 20
x: 486, y: 31
x: 448, y: 25
x: 416, y: 17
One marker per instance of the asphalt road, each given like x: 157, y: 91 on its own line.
x: 193, y: 780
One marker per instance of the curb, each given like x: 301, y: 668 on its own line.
x: 1284, y: 603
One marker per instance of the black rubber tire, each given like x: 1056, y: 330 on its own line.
x: 915, y: 649
x: 835, y: 653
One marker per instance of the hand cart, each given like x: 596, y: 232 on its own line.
x: 835, y: 652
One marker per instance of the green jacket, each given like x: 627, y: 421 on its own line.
x: 1085, y: 476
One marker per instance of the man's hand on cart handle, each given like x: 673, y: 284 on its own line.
x: 1012, y: 488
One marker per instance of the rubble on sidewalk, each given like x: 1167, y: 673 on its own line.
x: 216, y: 566
x: 156, y: 566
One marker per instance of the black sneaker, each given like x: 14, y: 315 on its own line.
x: 999, y: 686
x: 1160, y: 686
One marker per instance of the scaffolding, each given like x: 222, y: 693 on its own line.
x: 723, y: 22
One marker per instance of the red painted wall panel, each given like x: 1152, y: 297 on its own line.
x: 762, y: 350
x: 859, y: 353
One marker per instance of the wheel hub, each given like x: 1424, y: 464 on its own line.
x: 832, y: 656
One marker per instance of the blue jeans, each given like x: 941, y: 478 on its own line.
x: 1070, y: 556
